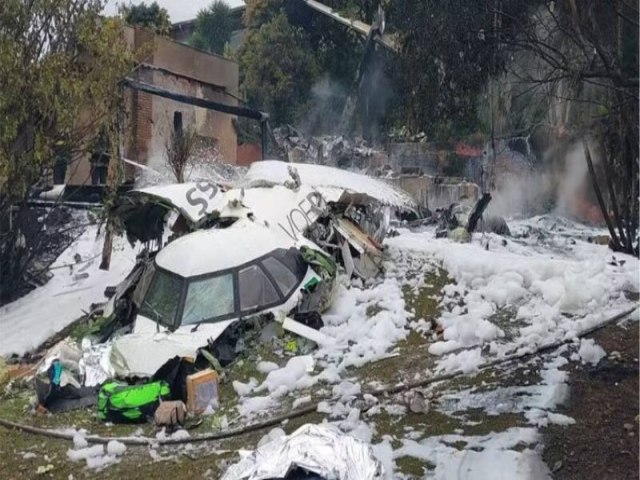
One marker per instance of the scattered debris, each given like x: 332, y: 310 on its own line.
x: 122, y: 403
x: 416, y: 402
x: 42, y: 469
x: 457, y: 223
x: 334, y: 151
x: 202, y: 391
x: 170, y: 414
x: 58, y: 383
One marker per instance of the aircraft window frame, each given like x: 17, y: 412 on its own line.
x: 288, y: 258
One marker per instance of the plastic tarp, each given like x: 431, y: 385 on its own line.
x: 321, y: 449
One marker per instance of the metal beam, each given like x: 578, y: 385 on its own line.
x: 357, y: 25
x: 196, y: 101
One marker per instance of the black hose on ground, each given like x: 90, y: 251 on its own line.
x: 309, y: 409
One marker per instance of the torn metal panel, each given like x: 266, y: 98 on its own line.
x: 321, y: 449
x: 367, y: 260
x: 143, y: 213
x: 347, y: 259
x: 131, y: 282
x: 291, y: 212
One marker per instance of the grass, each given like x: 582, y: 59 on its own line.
x: 413, y: 467
x: 425, y: 300
x: 410, y: 360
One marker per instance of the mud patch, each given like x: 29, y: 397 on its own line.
x: 603, y: 444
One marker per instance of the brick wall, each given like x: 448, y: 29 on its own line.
x: 149, y: 118
x: 249, y: 153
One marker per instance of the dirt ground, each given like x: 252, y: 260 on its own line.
x: 603, y: 443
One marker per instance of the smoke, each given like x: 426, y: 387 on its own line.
x: 572, y: 184
x: 561, y: 187
x: 526, y: 195
x: 325, y: 107
x: 326, y: 113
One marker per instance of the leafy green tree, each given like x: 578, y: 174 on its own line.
x: 326, y: 48
x: 60, y: 68
x: 150, y: 16
x: 449, y: 54
x: 213, y: 28
x: 278, y: 68
x: 434, y: 84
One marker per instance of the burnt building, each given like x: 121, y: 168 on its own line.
x: 149, y: 119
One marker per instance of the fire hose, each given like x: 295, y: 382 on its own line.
x: 146, y: 441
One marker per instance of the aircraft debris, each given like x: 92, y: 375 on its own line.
x: 221, y: 263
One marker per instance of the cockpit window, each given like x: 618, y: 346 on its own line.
x: 256, y: 290
x: 284, y: 278
x: 208, y: 299
x: 263, y: 283
x: 162, y: 299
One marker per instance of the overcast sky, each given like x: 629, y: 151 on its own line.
x: 179, y: 10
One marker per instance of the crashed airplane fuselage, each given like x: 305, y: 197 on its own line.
x: 266, y: 247
x: 203, y: 282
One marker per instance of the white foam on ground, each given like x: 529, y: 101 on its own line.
x: 32, y: 319
x: 590, y: 352
x: 555, y: 292
x: 489, y: 456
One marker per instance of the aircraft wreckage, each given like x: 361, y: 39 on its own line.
x: 220, y: 258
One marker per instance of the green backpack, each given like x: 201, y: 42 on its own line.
x: 122, y: 403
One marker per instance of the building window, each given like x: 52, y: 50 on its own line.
x: 177, y: 122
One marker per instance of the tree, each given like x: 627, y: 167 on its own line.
x: 330, y: 52
x: 435, y: 81
x: 213, y: 28
x: 586, y: 71
x: 150, y: 16
x: 60, y: 68
x: 278, y: 69
x: 449, y: 53
x: 179, y: 150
